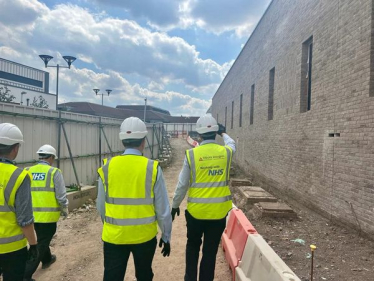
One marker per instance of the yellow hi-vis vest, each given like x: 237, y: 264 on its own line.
x: 130, y: 216
x: 209, y: 196
x: 44, y: 203
x: 11, y: 235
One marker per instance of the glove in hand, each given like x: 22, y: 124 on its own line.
x: 175, y: 211
x: 64, y: 212
x: 33, y: 253
x: 221, y: 129
x: 166, y: 249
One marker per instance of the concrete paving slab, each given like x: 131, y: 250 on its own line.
x: 255, y: 194
x: 240, y: 182
x: 274, y: 209
x: 78, y: 198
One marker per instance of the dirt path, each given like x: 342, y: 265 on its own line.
x: 78, y: 243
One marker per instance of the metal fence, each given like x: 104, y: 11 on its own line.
x: 179, y: 129
x: 81, y: 140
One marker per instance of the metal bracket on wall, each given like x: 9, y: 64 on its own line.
x: 71, y: 156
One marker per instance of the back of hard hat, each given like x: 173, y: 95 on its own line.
x: 10, y: 134
x: 206, y: 124
x: 48, y: 150
x: 132, y: 128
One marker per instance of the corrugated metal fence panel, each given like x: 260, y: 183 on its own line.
x: 40, y: 126
x: 179, y: 128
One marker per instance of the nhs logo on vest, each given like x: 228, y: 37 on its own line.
x: 215, y: 172
x: 38, y: 176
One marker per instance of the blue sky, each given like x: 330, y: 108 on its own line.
x: 174, y: 52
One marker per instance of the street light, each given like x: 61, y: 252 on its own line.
x: 69, y: 60
x: 102, y: 95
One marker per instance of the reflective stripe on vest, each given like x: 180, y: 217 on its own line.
x: 45, y: 205
x: 209, y: 196
x: 130, y: 217
x: 11, y: 235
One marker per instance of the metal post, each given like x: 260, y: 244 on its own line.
x: 58, y: 71
x: 145, y: 108
x: 107, y: 142
x: 100, y: 141
x: 71, y: 156
x: 59, y: 139
x: 102, y: 99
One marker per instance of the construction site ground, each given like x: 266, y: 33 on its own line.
x: 341, y: 255
x: 78, y: 244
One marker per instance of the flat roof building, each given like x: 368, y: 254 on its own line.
x: 300, y: 99
x: 25, y: 83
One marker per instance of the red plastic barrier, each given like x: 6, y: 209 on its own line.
x: 235, y: 237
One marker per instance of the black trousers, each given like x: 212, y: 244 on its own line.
x: 117, y: 256
x: 212, y: 231
x: 44, y: 233
x: 12, y: 265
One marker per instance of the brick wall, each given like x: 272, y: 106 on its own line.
x: 300, y: 154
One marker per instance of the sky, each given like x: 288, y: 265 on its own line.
x: 175, y: 53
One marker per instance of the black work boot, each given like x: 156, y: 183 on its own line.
x: 46, y: 265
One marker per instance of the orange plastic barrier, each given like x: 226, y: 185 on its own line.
x: 235, y: 237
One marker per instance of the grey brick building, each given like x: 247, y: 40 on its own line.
x: 300, y: 100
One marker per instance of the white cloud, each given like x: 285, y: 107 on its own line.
x: 216, y: 16
x: 115, y: 48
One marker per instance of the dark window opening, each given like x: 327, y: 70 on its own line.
x: 252, y: 104
x: 232, y: 115
x: 306, y: 75
x: 271, y: 94
x: 240, y: 110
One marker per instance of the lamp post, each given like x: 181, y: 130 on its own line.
x: 68, y: 59
x: 22, y: 93
x: 102, y: 95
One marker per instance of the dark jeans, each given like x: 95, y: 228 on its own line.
x: 117, y: 256
x: 212, y: 231
x: 44, y: 233
x: 12, y: 265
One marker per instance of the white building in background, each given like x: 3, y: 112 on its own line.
x: 25, y: 83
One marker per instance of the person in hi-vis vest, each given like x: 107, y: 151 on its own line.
x: 132, y: 199
x: 205, y: 176
x: 49, y: 200
x: 16, y: 217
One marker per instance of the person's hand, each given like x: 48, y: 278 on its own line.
x: 64, y: 212
x: 33, y: 253
x: 221, y: 129
x: 166, y: 249
x: 173, y: 212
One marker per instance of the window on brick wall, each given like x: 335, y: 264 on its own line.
x: 252, y: 105
x: 225, y: 116
x: 241, y: 110
x: 306, y: 75
x: 271, y: 94
x: 232, y: 115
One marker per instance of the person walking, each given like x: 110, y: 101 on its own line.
x: 132, y: 198
x: 49, y: 202
x: 205, y: 175
x: 16, y: 216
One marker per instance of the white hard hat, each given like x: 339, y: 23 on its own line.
x: 10, y: 134
x: 206, y: 124
x: 47, y: 149
x: 132, y: 128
